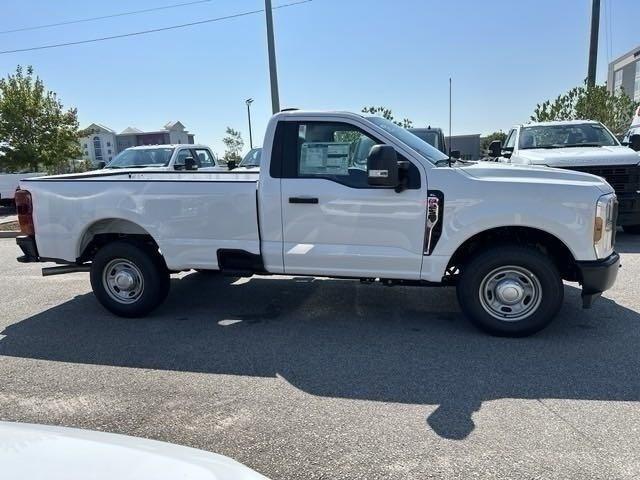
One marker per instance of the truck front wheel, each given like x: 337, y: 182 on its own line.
x: 129, y: 279
x: 510, y: 291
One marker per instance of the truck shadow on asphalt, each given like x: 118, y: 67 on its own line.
x: 338, y: 338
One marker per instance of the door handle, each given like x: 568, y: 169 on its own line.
x: 312, y: 200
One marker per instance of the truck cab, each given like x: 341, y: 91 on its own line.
x: 338, y: 195
x: 584, y: 146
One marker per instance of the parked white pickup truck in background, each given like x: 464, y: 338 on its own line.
x: 634, y: 129
x: 9, y: 182
x: 251, y: 160
x: 167, y: 157
x: 584, y: 146
x: 323, y: 205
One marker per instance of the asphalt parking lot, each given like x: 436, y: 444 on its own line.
x: 330, y: 379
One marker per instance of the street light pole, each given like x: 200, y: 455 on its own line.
x: 273, y: 73
x: 593, y: 47
x: 249, y: 101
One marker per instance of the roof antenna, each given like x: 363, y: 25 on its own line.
x: 449, y: 121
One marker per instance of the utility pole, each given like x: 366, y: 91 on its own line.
x: 273, y: 72
x: 593, y: 47
x: 450, y: 104
x: 249, y: 101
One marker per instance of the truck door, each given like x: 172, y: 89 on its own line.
x: 334, y: 223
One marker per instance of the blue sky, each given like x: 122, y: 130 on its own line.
x: 504, y: 57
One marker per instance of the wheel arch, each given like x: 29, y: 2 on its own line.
x: 543, y: 241
x: 107, y: 230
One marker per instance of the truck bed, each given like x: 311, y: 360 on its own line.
x: 190, y: 215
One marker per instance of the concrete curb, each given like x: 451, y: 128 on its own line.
x: 10, y: 234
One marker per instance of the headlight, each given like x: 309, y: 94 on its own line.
x: 604, y: 228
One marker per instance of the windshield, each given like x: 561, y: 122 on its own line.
x: 405, y: 136
x: 147, y: 157
x: 562, y: 136
x: 252, y: 159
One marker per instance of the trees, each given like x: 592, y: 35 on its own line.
x: 35, y: 130
x: 387, y: 113
x: 589, y: 103
x: 233, y: 145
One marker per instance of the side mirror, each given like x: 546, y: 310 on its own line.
x: 495, y: 148
x: 634, y: 142
x: 231, y: 164
x: 455, y: 154
x: 382, y: 166
x: 190, y: 164
x: 101, y: 165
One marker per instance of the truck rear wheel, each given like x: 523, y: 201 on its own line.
x: 632, y: 229
x: 510, y: 291
x: 129, y: 279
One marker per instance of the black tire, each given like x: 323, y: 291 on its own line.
x: 527, y: 274
x: 138, y: 261
x: 632, y: 229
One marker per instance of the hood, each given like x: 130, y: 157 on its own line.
x: 579, y: 156
x: 57, y: 453
x: 504, y: 172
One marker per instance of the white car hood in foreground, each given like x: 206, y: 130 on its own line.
x: 504, y: 172
x: 577, y: 156
x: 33, y: 452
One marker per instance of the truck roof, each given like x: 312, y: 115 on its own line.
x: 295, y: 112
x: 425, y: 129
x: 557, y: 123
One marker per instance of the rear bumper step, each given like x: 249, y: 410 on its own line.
x: 28, y: 246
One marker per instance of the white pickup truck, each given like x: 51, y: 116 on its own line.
x: 338, y: 195
x: 632, y: 137
x: 581, y: 145
x: 9, y: 182
x: 167, y: 157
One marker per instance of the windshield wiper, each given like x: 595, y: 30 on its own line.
x: 563, y: 145
x: 452, y: 161
x: 571, y: 145
x: 132, y: 166
x: 445, y: 162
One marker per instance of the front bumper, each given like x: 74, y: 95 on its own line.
x: 597, y: 276
x: 28, y: 246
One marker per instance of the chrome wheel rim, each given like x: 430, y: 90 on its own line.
x: 123, y: 281
x: 510, y: 293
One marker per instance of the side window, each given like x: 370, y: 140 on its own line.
x: 204, y: 158
x: 510, y: 142
x: 332, y: 150
x: 335, y: 151
x: 182, y: 154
